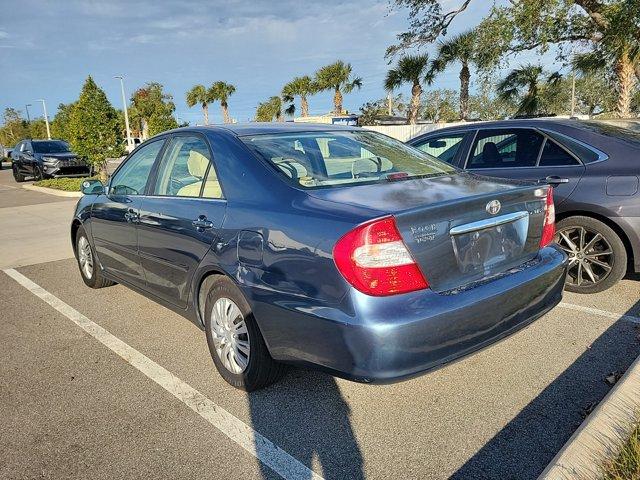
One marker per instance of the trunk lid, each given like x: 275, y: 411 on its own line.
x: 460, y: 228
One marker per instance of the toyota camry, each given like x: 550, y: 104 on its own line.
x: 330, y: 247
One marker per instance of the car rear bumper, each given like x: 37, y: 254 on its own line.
x: 385, y: 339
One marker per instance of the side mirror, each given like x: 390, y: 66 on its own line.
x: 92, y: 187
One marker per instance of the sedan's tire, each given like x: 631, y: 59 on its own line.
x: 88, y: 263
x: 597, y: 256
x: 17, y: 176
x: 235, y: 342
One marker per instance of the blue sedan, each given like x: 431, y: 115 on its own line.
x: 330, y: 247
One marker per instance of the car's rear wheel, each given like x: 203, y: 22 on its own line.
x: 235, y: 342
x: 87, y: 262
x: 597, y: 256
x: 17, y: 176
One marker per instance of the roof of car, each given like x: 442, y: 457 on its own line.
x: 258, y: 128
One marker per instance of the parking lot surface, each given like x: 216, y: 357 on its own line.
x: 72, y: 408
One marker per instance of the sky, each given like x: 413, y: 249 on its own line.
x: 49, y: 47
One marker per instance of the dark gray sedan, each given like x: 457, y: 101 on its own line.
x: 594, y: 168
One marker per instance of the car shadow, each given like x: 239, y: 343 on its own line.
x: 524, y: 447
x: 306, y: 415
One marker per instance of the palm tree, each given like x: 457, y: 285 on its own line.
x: 526, y: 81
x: 337, y: 77
x: 410, y: 69
x: 200, y: 95
x: 222, y: 91
x: 269, y: 110
x: 460, y: 48
x: 300, y: 87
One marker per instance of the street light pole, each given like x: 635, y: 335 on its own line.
x: 27, y: 108
x: 126, y: 113
x: 46, y: 117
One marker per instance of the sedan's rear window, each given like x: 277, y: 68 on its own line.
x: 332, y: 158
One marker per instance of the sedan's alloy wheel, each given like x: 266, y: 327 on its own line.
x: 85, y: 257
x: 591, y: 256
x: 230, y: 335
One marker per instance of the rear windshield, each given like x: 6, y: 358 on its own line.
x: 50, y: 147
x: 325, y: 159
x: 613, y: 131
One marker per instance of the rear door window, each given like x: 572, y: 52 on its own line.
x: 444, y: 147
x: 553, y: 155
x: 505, y: 148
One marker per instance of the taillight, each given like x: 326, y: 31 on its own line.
x: 549, y: 226
x: 373, y: 258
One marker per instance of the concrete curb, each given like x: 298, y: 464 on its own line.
x: 599, y: 437
x: 52, y: 191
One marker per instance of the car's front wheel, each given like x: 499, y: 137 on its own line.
x: 597, y: 256
x: 235, y: 342
x: 17, y: 176
x: 87, y: 262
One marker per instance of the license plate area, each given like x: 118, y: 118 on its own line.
x: 480, y: 247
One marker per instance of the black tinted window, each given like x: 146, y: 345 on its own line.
x: 554, y: 155
x: 505, y: 148
x: 444, y: 147
x: 50, y: 147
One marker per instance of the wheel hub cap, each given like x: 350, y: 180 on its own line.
x: 590, y: 255
x: 230, y: 335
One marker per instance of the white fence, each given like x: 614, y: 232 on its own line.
x: 406, y: 132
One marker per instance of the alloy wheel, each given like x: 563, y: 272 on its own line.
x: 591, y: 256
x: 230, y: 335
x: 85, y: 257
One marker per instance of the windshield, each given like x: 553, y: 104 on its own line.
x: 321, y: 159
x: 50, y: 147
x: 613, y: 131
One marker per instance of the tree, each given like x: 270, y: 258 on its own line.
x: 269, y: 110
x: 371, y: 111
x: 526, y: 83
x: 151, y: 101
x: 441, y: 105
x: 221, y: 91
x: 460, y: 48
x: 410, y: 69
x: 337, y: 77
x: 301, y: 87
x: 199, y: 94
x: 607, y: 27
x: 14, y: 128
x: 93, y: 128
x: 594, y: 94
x: 486, y: 105
x: 60, y: 123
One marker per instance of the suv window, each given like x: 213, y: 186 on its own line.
x: 186, y: 170
x: 132, y: 177
x: 443, y: 147
x: 553, y: 155
x: 505, y: 148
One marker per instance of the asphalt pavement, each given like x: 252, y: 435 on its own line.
x: 72, y: 408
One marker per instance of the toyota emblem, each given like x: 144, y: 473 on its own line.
x: 493, y: 207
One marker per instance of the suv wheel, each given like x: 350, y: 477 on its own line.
x: 87, y: 262
x: 17, y: 176
x: 235, y: 342
x: 597, y: 256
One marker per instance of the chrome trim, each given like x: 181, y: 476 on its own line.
x: 488, y: 223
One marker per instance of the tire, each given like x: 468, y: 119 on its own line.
x: 38, y: 174
x: 246, y: 369
x: 17, y: 176
x: 604, y: 255
x: 87, y: 263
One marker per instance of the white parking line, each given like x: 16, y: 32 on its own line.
x: 254, y: 443
x: 602, y: 313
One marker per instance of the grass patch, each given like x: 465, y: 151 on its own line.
x: 626, y: 466
x: 66, y: 184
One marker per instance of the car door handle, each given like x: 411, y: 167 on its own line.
x: 201, y: 223
x: 554, y: 180
x: 131, y: 216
